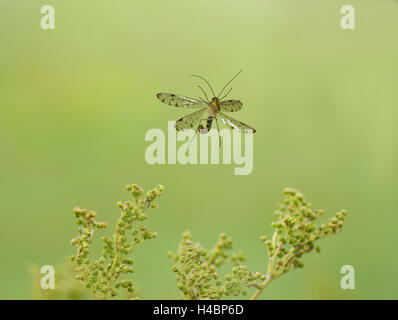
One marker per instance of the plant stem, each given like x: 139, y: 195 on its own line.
x: 259, y: 291
x: 270, y: 270
x: 116, y: 254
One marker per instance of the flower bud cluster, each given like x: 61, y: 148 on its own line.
x: 197, y: 275
x: 102, y: 276
x: 296, y: 232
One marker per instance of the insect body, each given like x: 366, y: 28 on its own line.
x: 208, y: 110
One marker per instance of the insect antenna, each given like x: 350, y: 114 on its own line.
x: 226, y: 94
x: 203, y: 92
x: 194, y: 75
x: 229, y: 82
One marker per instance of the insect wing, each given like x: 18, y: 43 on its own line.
x: 230, y: 105
x: 180, y: 101
x: 190, y: 120
x: 235, y: 124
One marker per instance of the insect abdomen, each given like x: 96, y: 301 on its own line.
x: 209, y: 122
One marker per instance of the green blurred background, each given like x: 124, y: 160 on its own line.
x: 76, y: 102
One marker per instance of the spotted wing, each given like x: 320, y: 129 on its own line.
x: 180, y: 101
x: 235, y: 124
x: 191, y: 120
x: 230, y: 105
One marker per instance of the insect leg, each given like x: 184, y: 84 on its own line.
x: 200, y: 127
x: 219, y: 137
